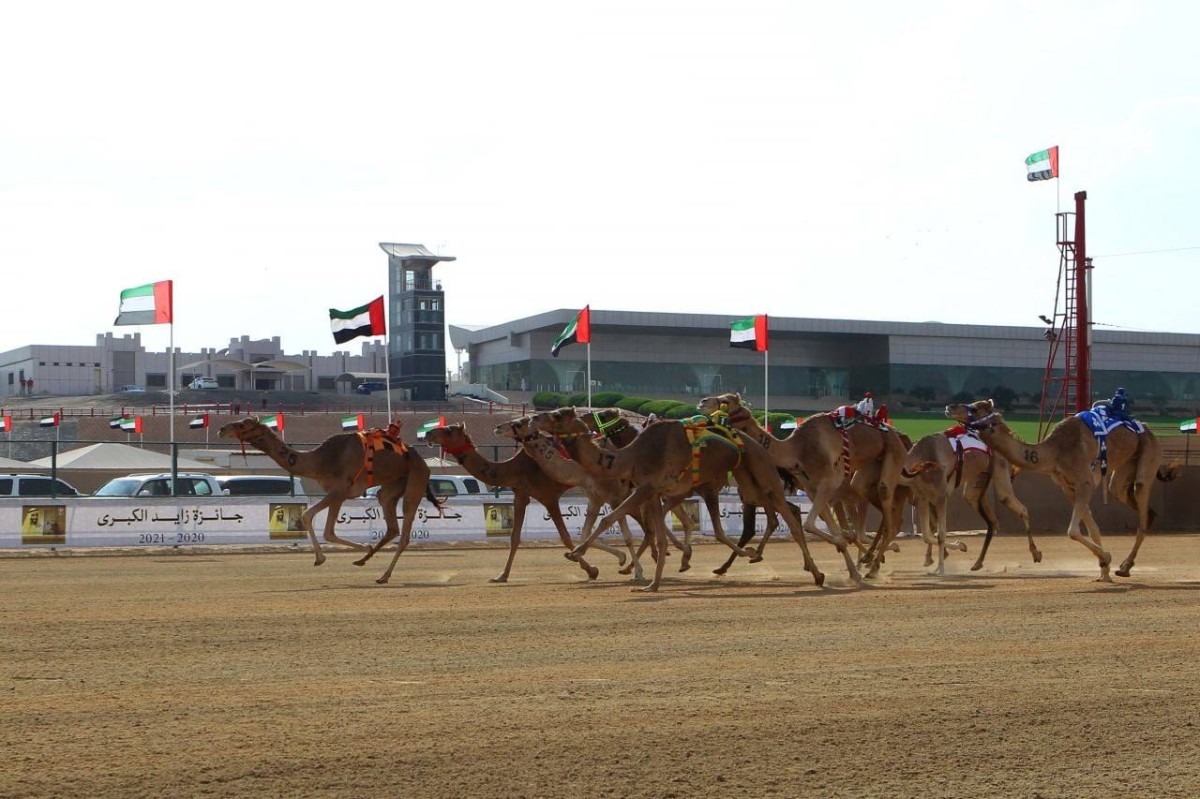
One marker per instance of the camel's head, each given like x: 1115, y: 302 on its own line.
x: 242, y: 429
x: 970, y: 413
x: 448, y: 437
x: 560, y: 422
x: 518, y: 430
x: 606, y: 422
x: 729, y: 402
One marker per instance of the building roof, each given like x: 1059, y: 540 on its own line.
x: 416, y: 251
x: 109, y: 455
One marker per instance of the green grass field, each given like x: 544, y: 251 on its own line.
x: 1024, y: 425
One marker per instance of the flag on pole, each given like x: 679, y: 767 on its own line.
x: 146, y: 305
x: 273, y: 422
x: 199, y: 423
x: 432, y: 423
x: 115, y: 422
x: 356, y: 422
x: 749, y: 333
x: 6, y: 424
x: 1189, y: 426
x: 133, y: 425
x: 578, y: 332
x: 1042, y: 165
x: 51, y: 421
x: 365, y: 320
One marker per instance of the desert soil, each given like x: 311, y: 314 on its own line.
x: 210, y: 673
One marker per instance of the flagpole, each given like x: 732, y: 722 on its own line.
x: 766, y: 390
x: 387, y: 370
x: 171, y: 377
x: 589, y: 371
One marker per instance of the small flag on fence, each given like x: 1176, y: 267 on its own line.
x: 273, y: 422
x: 6, y: 424
x: 115, y: 422
x: 356, y: 422
x: 432, y: 423
x: 133, y: 425
x: 1189, y: 426
x: 199, y: 423
x: 50, y: 421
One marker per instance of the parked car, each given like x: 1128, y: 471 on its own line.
x: 448, y: 485
x: 132, y: 389
x: 203, y: 382
x: 369, y: 386
x: 35, y: 485
x: 187, y: 484
x: 242, y: 485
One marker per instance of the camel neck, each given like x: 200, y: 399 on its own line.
x: 277, y: 450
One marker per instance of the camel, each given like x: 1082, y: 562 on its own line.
x: 339, y: 465
x: 525, y: 478
x: 615, y: 430
x: 600, y: 490
x: 821, y: 457
x: 936, y: 471
x: 665, y: 468
x: 1069, y: 455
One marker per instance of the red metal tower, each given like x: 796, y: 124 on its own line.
x: 1067, y: 382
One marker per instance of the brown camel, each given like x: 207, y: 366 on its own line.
x: 339, y: 465
x: 524, y: 477
x: 936, y: 471
x: 1069, y: 455
x: 615, y: 430
x: 665, y: 468
x: 600, y: 491
x: 821, y: 457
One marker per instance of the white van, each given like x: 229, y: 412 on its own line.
x: 34, y: 485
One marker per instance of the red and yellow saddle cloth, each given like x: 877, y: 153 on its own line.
x: 704, y: 430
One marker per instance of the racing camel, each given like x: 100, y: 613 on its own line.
x: 666, y: 463
x: 525, y: 478
x: 823, y: 456
x: 1070, y: 456
x: 345, y: 465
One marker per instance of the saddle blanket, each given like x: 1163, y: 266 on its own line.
x: 1101, y: 424
x: 963, y: 439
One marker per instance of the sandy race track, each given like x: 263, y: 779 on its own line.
x: 220, y: 674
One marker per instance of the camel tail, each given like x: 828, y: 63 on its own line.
x: 916, y: 470
x: 789, y: 481
x: 1169, y: 472
x: 437, y: 503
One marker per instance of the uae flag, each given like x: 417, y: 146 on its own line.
x: 1189, y: 426
x: 273, y: 422
x: 50, y: 421
x: 6, y: 424
x: 353, y: 422
x: 146, y: 305
x: 365, y: 320
x: 578, y: 332
x: 115, y: 422
x: 199, y: 423
x: 1042, y: 165
x: 749, y: 333
x: 432, y: 423
x: 133, y: 425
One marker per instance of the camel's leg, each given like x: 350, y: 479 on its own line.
x: 1134, y: 491
x: 307, y: 519
x: 1002, y: 479
x: 635, y: 499
x: 713, y: 504
x: 1081, y: 514
x: 635, y: 565
x: 656, y: 517
x: 748, y: 513
x: 388, y: 496
x: 520, y: 503
x: 977, y: 498
x: 560, y: 524
x: 791, y: 517
x: 412, y: 500
x: 674, y: 505
x: 589, y: 521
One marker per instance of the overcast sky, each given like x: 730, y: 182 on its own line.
x: 841, y: 160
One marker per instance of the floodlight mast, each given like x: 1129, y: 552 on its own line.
x: 1067, y: 382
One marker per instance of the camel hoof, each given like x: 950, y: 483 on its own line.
x: 1037, y: 557
x: 625, y: 569
x: 893, y: 548
x: 684, y: 566
x: 382, y: 581
x: 593, y: 572
x: 501, y: 579
x: 961, y: 546
x: 320, y: 559
x: 360, y: 562
x: 621, y: 558
x: 1122, y: 572
x: 976, y: 567
x: 928, y: 561
x: 819, y: 579
x: 652, y: 588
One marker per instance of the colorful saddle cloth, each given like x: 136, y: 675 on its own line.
x: 374, y: 441
x: 703, y: 430
x: 846, y: 416
x: 963, y: 439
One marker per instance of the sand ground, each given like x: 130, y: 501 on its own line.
x: 219, y: 674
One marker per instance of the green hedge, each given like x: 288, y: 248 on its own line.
x: 632, y: 404
x: 607, y: 399
x: 548, y: 400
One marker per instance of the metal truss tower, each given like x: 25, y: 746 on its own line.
x: 1067, y: 382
